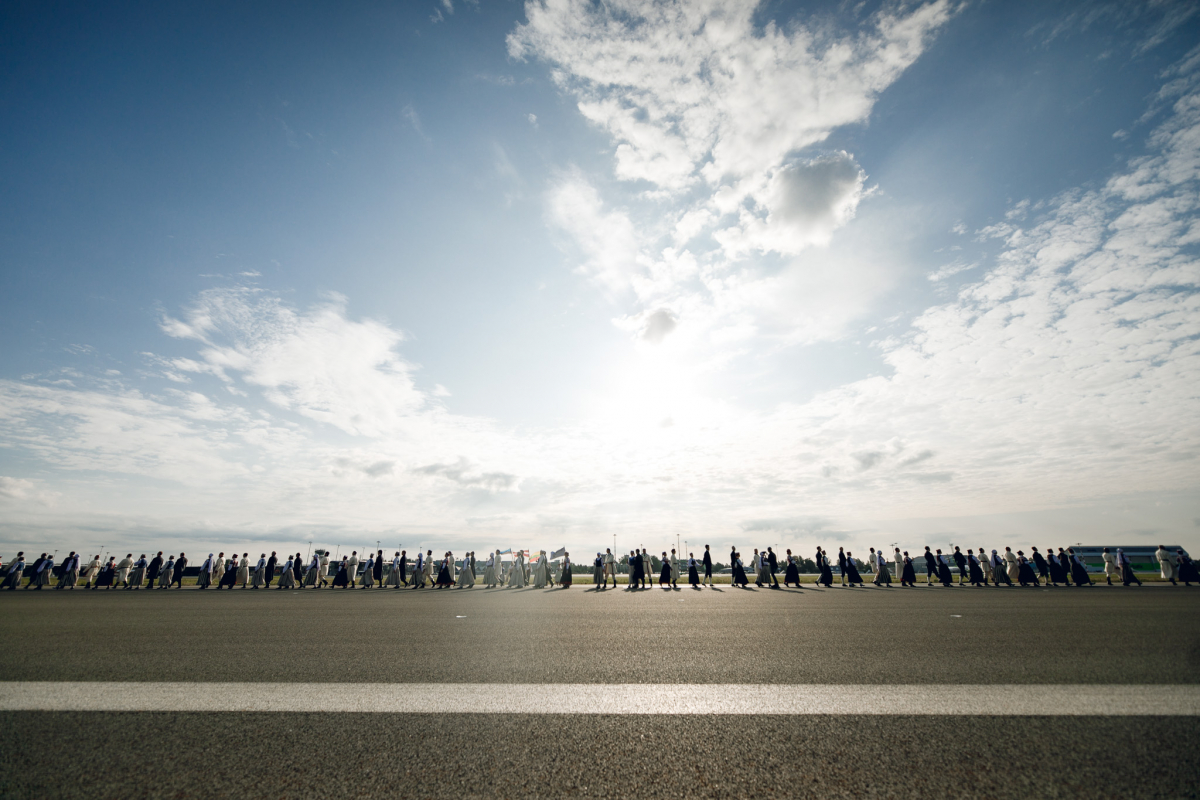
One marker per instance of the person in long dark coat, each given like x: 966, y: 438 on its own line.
x: 909, y: 576
x: 1039, y: 561
x: 636, y: 573
x: 1187, y: 568
x: 960, y: 561
x: 107, y: 573
x: 664, y: 574
x: 378, y: 574
x: 154, y: 568
x: 230, y: 576
x: 791, y: 572
x: 931, y: 566
x: 177, y: 575
x: 269, y: 572
x: 1078, y: 571
x: 826, y: 578
x: 341, y: 578
x: 1025, y: 574
x: 739, y: 572
x: 693, y: 571
x: 943, y: 569
x: 852, y: 571
x: 1055, y: 569
x: 973, y: 569
x: 298, y: 569
x: 1064, y: 564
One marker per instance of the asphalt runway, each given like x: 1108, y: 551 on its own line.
x: 868, y: 638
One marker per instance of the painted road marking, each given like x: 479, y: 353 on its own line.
x: 576, y: 698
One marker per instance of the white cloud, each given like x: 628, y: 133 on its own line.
x: 317, y: 362
x: 710, y: 114
x: 605, y: 238
x: 695, y: 91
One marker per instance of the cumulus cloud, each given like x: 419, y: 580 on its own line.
x: 316, y: 362
x: 712, y: 116
x: 658, y: 325
x: 693, y: 91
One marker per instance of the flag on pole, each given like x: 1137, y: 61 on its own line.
x: 559, y: 553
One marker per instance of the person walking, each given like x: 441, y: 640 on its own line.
x: 167, y: 573
x: 791, y: 571
x: 70, y: 572
x: 708, y: 567
x: 1127, y: 576
x: 882, y: 576
x: 177, y: 574
x: 908, y: 574
x: 1166, y: 565
x: 1111, y: 570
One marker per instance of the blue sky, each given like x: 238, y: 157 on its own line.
x: 477, y: 274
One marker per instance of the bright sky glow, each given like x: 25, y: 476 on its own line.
x: 483, y: 275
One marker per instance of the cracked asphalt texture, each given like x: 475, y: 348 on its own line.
x: 840, y: 636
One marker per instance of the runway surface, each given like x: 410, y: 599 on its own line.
x: 971, y: 650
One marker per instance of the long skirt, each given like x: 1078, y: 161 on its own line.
x: 136, y: 576
x: 204, y: 580
x: 287, y: 580
x: 1187, y: 570
x: 1127, y: 576
x: 516, y: 576
x: 639, y: 575
x: 466, y: 579
x: 1025, y: 575
x: 243, y: 575
x: 976, y: 574
x: 598, y: 575
x: 664, y: 575
x: 852, y: 572
x: 564, y: 580
x: 368, y: 579
x: 1080, y: 574
x: 394, y: 577
x: 489, y: 575
x: 105, y: 578
x: 827, y: 575
x: 68, y: 580
x: 1056, y: 571
x: 1000, y: 575
x: 908, y: 575
x: 884, y: 577
x: 443, y: 578
x: 164, y: 577
x: 739, y: 576
x: 944, y: 575
x: 340, y: 579
x: 228, y: 578
x: 693, y: 576
x: 258, y: 577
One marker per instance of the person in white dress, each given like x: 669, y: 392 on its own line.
x: 898, y: 558
x: 466, y: 576
x: 489, y: 571
x: 260, y: 572
x: 516, y: 571
x: 323, y: 571
x: 91, y: 572
x: 394, y: 573
x: 167, y: 573
x: 352, y: 569
x: 540, y: 571
x: 204, y: 579
x: 123, y: 567
x: 288, y: 579
x: 1166, y: 565
x: 1111, y: 570
x: 243, y: 573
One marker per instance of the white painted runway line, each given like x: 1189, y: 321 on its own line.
x: 576, y: 698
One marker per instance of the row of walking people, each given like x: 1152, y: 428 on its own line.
x: 294, y: 572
